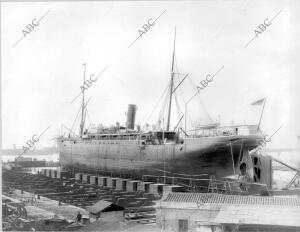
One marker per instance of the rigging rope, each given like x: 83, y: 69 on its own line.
x: 88, y: 116
x: 184, y: 102
x: 233, y: 165
x: 200, y: 100
x: 163, y: 109
x: 178, y: 110
x: 183, y: 99
x: 75, y: 119
x: 179, y: 174
x: 159, y: 99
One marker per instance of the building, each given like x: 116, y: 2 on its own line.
x: 182, y: 212
x: 103, y: 209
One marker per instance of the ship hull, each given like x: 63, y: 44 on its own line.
x: 195, y: 157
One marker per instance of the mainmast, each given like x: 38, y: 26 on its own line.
x: 171, y: 86
x: 83, y: 104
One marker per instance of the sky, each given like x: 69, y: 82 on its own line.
x: 43, y: 72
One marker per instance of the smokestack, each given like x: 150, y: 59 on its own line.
x: 131, y: 116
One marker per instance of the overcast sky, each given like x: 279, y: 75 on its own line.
x: 43, y: 72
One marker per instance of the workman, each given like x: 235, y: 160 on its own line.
x: 79, y: 216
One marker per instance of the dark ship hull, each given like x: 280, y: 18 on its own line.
x: 196, y: 158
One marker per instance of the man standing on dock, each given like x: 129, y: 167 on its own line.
x: 79, y: 216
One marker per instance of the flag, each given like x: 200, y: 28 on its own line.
x: 258, y: 102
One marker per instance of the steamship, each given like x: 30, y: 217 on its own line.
x: 131, y: 152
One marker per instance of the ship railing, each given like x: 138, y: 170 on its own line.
x: 144, y: 177
x: 224, y: 131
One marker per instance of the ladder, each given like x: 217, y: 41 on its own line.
x: 212, y: 187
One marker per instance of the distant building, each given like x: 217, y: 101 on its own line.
x: 22, y: 159
x: 188, y: 212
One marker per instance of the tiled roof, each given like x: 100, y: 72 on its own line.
x: 231, y: 199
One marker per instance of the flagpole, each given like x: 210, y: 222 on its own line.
x: 262, y: 111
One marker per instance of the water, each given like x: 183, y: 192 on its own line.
x: 49, y: 158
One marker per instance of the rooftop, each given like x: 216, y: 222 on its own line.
x: 215, y: 198
x: 98, y: 207
x: 269, y: 216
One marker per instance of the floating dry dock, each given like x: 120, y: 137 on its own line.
x: 147, y: 206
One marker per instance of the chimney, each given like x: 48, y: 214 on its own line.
x: 131, y: 116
